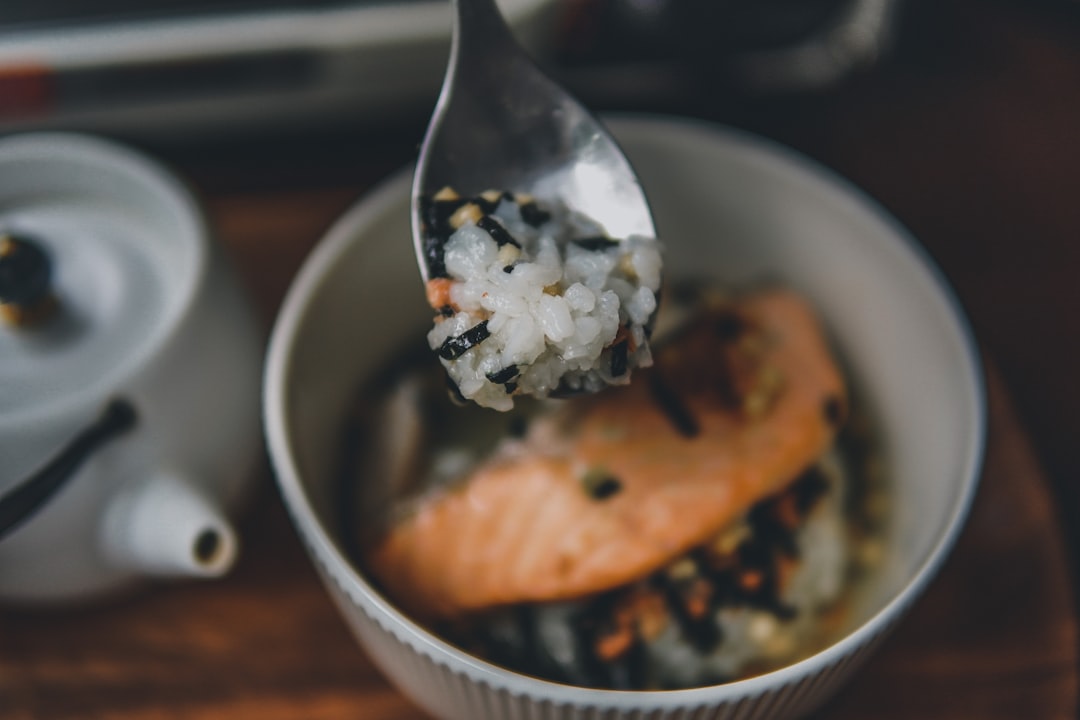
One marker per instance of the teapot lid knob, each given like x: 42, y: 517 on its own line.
x: 26, y: 297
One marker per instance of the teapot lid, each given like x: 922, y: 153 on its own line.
x: 100, y: 251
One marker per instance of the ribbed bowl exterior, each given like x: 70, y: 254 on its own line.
x: 449, y: 689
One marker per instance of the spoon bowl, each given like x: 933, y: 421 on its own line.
x: 501, y: 123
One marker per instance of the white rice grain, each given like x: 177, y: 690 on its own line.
x: 552, y: 307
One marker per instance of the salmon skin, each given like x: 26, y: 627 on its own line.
x: 609, y: 488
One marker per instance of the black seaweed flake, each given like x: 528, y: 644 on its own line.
x: 703, y: 633
x: 499, y: 650
x: 517, y: 645
x: 446, y: 311
x: 489, y: 206
x: 498, y: 233
x: 757, y: 555
x: 486, y: 206
x: 600, y: 484
x: 834, y: 410
x: 508, y: 269
x: 510, y: 387
x: 619, y: 358
x: 434, y: 256
x: 729, y: 326
x: 517, y: 426
x: 455, y: 347
x: 595, y: 244
x: 507, y: 374
x: 525, y: 619
x: 673, y: 406
x: 725, y: 590
x: 606, y: 488
x: 770, y: 533
x: 436, y: 215
x: 455, y: 393
x: 590, y: 623
x: 435, y: 219
x: 809, y: 488
x: 782, y: 611
x: 630, y: 670
x: 533, y: 215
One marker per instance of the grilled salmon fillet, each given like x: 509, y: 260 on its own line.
x: 612, y: 487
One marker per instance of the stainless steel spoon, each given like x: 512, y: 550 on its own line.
x: 501, y: 123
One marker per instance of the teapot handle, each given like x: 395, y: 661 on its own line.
x: 21, y: 502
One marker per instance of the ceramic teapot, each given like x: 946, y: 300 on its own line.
x: 129, y: 374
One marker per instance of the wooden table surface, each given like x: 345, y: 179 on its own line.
x: 969, y: 134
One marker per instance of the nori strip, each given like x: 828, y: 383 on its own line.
x: 517, y: 426
x: 446, y: 311
x: 455, y: 393
x: 498, y: 233
x: 486, y: 206
x: 533, y: 215
x: 588, y: 623
x: 757, y: 554
x: 525, y: 619
x: 595, y: 244
x: 770, y: 532
x: 436, y: 215
x: 507, y: 374
x: 599, y: 484
x: 606, y: 488
x: 435, y: 219
x: 729, y: 326
x: 703, y: 633
x: 455, y: 347
x: 516, y: 645
x: 489, y: 206
x: 630, y: 670
x: 809, y: 488
x: 834, y: 410
x: 725, y: 589
x: 619, y: 358
x: 673, y: 407
x: 433, y: 256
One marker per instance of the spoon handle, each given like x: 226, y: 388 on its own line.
x: 480, y: 21
x: 482, y: 40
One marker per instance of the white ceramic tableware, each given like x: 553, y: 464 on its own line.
x: 728, y: 206
x: 149, y: 316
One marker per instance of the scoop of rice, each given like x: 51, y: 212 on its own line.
x: 533, y: 301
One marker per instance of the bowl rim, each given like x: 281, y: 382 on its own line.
x: 372, y: 205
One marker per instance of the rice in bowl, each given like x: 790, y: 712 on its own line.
x: 761, y: 584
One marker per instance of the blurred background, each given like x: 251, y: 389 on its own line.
x: 183, y: 66
x: 960, y: 116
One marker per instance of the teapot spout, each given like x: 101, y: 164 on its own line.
x: 166, y: 527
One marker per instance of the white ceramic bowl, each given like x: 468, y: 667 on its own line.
x: 727, y: 204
